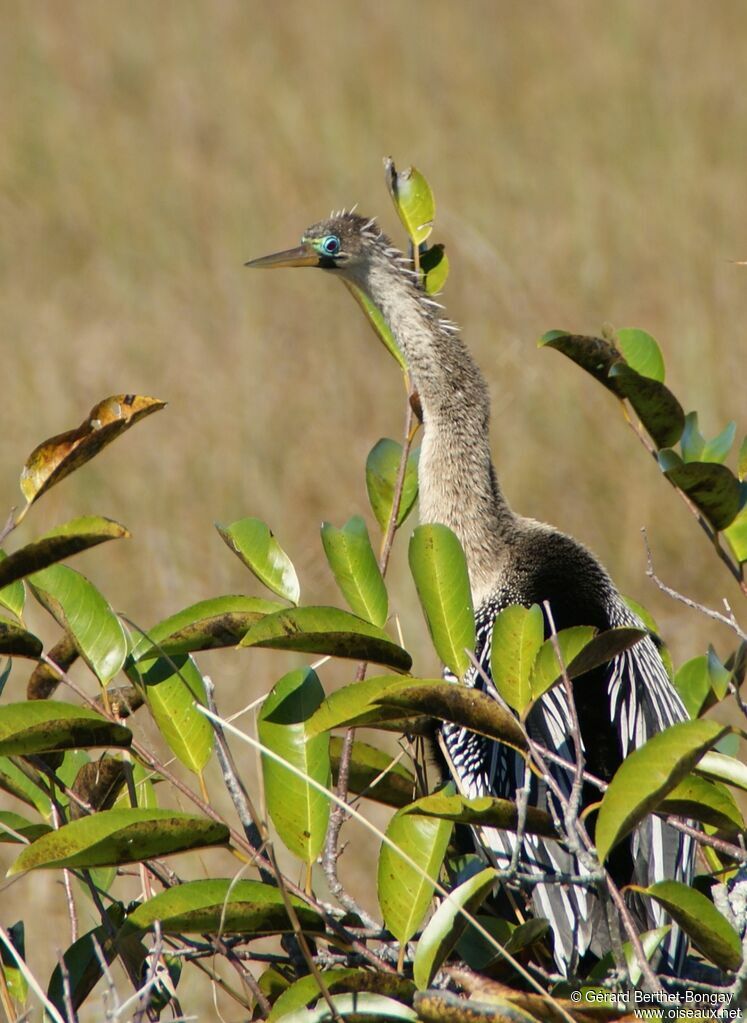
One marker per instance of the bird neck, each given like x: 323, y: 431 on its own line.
x: 457, y: 481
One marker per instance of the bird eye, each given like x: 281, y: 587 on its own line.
x: 330, y: 245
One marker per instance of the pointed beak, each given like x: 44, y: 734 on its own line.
x: 304, y: 255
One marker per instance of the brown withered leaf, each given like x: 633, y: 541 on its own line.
x: 98, y: 784
x: 56, y: 458
x: 44, y: 679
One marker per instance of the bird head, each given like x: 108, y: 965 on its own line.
x: 339, y: 243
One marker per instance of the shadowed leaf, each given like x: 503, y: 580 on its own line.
x: 57, y: 457
x: 394, y: 784
x: 12, y: 597
x: 39, y: 726
x: 654, y: 404
x: 547, y: 669
x: 484, y: 811
x: 382, y: 465
x: 207, y: 625
x: 44, y: 679
x: 306, y: 990
x: 58, y: 544
x: 17, y: 642
x: 358, y: 703
x: 82, y: 962
x: 713, y: 488
x: 594, y: 354
x: 696, y: 798
x: 98, y: 783
x: 14, y: 822
x: 435, y: 265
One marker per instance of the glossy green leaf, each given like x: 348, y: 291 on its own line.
x: 257, y: 547
x: 373, y: 773
x: 460, y: 704
x: 337, y: 981
x: 365, y: 1005
x: 720, y: 767
x: 654, y: 404
x: 377, y: 321
x: 327, y: 630
x: 12, y: 596
x: 14, y: 828
x: 207, y: 625
x: 710, y: 932
x: 80, y: 609
x: 404, y: 894
x: 483, y: 811
x: 648, y: 775
x: 693, y: 683
x: 222, y: 906
x: 714, y: 489
x: 435, y: 265
x: 439, y: 568
x: 82, y: 962
x: 58, y: 544
x: 120, y: 836
x: 547, y: 669
x: 518, y: 634
x: 641, y: 352
x: 696, y: 798
x: 39, y: 726
x: 358, y: 703
x: 447, y: 925
x: 736, y: 534
x: 718, y: 448
x: 298, y: 810
x: 17, y: 642
x: 356, y: 569
x: 172, y: 687
x: 382, y: 466
x: 413, y: 201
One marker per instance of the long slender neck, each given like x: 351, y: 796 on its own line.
x: 457, y: 480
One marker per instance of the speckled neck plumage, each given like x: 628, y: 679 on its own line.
x: 458, y: 484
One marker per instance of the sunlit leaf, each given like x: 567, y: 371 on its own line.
x: 327, y: 630
x: 718, y: 448
x: 38, y: 726
x: 547, y: 669
x: 363, y: 1006
x: 12, y: 596
x: 404, y: 894
x: 207, y: 625
x: 382, y: 466
x: 356, y: 569
x: 57, y: 457
x: 120, y: 836
x: 377, y: 321
x: 641, y: 352
x: 79, y: 608
x: 359, y: 703
x: 340, y: 980
x: 692, y: 440
x: 483, y: 811
x: 696, y: 798
x: 439, y: 568
x: 373, y: 773
x: 742, y: 460
x: 257, y: 547
x: 16, y: 783
x: 447, y: 925
x: 693, y: 683
x: 736, y: 534
x: 710, y: 932
x: 518, y: 634
x: 713, y: 488
x: 648, y: 775
x: 413, y: 201
x: 720, y: 767
x: 298, y: 810
x: 13, y: 825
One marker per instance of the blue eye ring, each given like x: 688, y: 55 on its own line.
x: 330, y: 245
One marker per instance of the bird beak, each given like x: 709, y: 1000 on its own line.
x: 304, y: 255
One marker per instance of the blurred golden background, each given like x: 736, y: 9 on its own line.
x: 588, y: 162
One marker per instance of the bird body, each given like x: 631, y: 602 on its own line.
x: 516, y: 560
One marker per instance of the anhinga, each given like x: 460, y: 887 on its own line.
x: 516, y: 560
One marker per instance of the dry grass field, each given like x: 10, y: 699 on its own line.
x: 589, y: 165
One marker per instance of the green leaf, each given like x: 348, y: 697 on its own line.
x: 736, y: 534
x: 356, y: 569
x: 358, y: 703
x: 714, y: 489
x: 518, y: 634
x: 603, y: 647
x: 718, y: 448
x: 377, y: 321
x: 650, y: 942
x: 648, y: 775
x: 692, y: 440
x: 80, y: 609
x: 172, y: 686
x: 447, y: 925
x: 365, y: 1005
x: 693, y: 683
x: 483, y: 811
x: 413, y: 201
x: 82, y: 963
x: 719, y: 767
x: 742, y: 461
x: 39, y: 726
x: 654, y: 404
x: 719, y: 675
x: 17, y: 784
x: 299, y: 811
x: 435, y: 265
x: 207, y: 625
x: 14, y: 822
x: 222, y: 906
x: 12, y: 596
x: 17, y: 642
x: 439, y: 568
x: 59, y: 543
x: 476, y: 951
x: 460, y: 704
x: 641, y: 352
x: 120, y: 836
x: 404, y: 894
x: 14, y: 978
x: 382, y: 465
x: 594, y: 354
x: 710, y: 932
x: 696, y: 798
x: 257, y: 547
x: 546, y: 669
x: 340, y: 980
x: 327, y: 630
x: 373, y: 773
